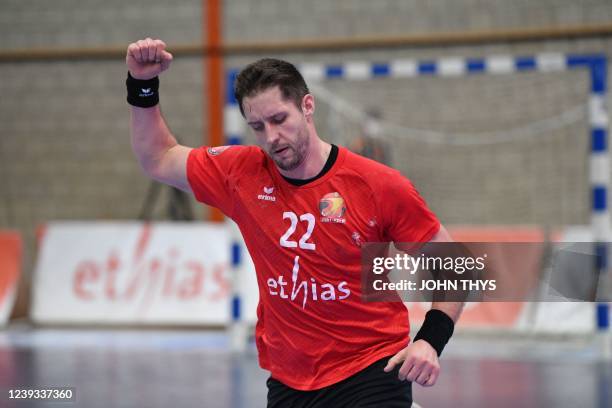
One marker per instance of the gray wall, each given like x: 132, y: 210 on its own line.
x: 64, y: 148
x: 273, y: 19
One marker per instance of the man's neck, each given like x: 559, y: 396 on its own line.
x: 313, y: 163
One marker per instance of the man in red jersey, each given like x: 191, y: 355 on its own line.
x: 304, y: 207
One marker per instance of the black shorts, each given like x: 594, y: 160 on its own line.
x: 370, y: 387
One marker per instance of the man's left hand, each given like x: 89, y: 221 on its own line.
x: 420, y: 363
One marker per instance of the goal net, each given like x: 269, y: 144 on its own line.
x: 498, y: 143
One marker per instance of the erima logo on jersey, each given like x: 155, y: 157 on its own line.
x: 145, y: 92
x: 267, y: 196
x: 332, y: 208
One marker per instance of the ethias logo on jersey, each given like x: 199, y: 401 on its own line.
x: 332, y: 208
x: 306, y: 289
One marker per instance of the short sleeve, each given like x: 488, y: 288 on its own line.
x: 406, y: 217
x: 210, y: 171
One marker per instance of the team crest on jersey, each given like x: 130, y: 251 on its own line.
x: 332, y: 208
x: 215, y: 151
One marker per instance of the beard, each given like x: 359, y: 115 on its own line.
x: 294, y: 154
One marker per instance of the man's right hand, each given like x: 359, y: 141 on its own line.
x: 147, y: 58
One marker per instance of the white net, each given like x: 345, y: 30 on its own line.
x: 482, y: 149
x: 503, y: 150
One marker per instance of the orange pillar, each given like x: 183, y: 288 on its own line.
x: 213, y: 88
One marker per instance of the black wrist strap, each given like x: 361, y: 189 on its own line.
x: 437, y: 329
x: 143, y: 93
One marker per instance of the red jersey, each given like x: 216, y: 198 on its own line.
x: 313, y: 329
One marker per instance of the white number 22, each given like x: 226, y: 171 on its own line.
x: 284, y: 240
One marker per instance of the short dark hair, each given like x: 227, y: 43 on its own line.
x: 267, y: 73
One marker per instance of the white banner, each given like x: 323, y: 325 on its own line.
x: 133, y: 273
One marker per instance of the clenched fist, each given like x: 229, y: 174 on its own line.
x: 147, y: 58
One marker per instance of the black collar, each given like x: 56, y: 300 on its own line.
x: 333, y: 155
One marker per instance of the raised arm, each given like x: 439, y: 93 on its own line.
x: 156, y: 149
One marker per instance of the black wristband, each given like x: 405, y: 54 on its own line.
x: 437, y: 329
x: 143, y: 93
